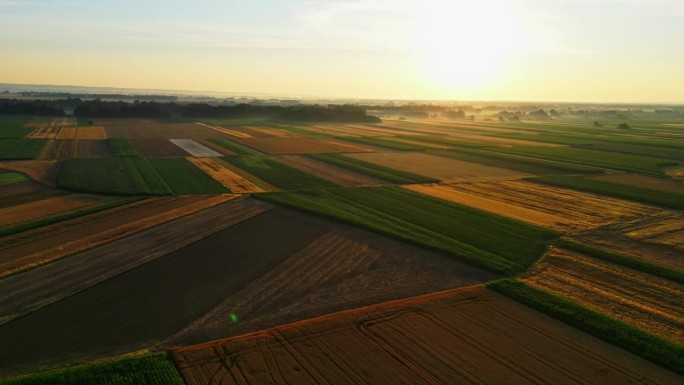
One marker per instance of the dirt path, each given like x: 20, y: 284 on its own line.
x: 463, y: 336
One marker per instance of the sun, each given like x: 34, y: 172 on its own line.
x: 465, y: 44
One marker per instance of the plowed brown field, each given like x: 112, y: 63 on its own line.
x: 234, y: 182
x: 41, y: 208
x: 43, y: 171
x: 441, y: 168
x: 564, y: 210
x: 46, y: 244
x: 162, y: 131
x: 660, y: 184
x: 216, y: 147
x: 648, y: 302
x: 157, y: 148
x: 464, y: 336
x: 227, y: 131
x: 343, y: 269
x: 301, y: 145
x: 328, y: 171
x: 47, y: 284
x: 71, y: 148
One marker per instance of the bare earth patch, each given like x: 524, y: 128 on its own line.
x: 328, y: 171
x: 463, y: 336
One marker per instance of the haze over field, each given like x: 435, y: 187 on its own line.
x: 569, y: 50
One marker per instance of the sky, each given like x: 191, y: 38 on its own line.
x: 540, y: 50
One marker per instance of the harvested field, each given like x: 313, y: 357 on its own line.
x: 329, y: 171
x: 78, y: 327
x: 41, y: 208
x: 463, y: 336
x: 195, y: 149
x: 227, y: 131
x: 43, y: 171
x: 268, y: 132
x: 300, y: 145
x: 83, y: 132
x: 647, y: 302
x: 234, y: 182
x: 47, y: 284
x: 157, y: 148
x: 162, y: 131
x: 71, y: 148
x: 347, y: 130
x: 676, y: 172
x: 45, y: 132
x: 440, y: 168
x: 49, y: 243
x: 657, y: 238
x: 343, y: 269
x: 556, y: 208
x: 642, y: 181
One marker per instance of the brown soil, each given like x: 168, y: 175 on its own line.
x: 645, y: 301
x: 301, y: 145
x: 234, y: 182
x: 563, y: 210
x: 216, y: 147
x: 343, y: 269
x: 49, y: 243
x: 660, y: 184
x: 60, y: 149
x: 328, y: 171
x: 336, y: 130
x: 93, y: 149
x: 162, y: 131
x: 43, y: 171
x: 657, y: 238
x: 227, y: 131
x: 463, y: 336
x: 89, y: 132
x: 41, y: 208
x: 157, y: 148
x: 441, y: 168
x: 268, y: 132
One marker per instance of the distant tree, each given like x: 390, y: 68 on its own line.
x: 554, y: 113
x: 460, y: 114
x: 539, y: 114
x: 624, y: 126
x: 597, y: 123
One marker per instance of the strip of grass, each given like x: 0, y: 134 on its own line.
x: 623, y: 260
x: 383, y: 142
x: 278, y: 174
x: 482, y: 239
x: 147, y: 369
x: 21, y: 148
x: 81, y: 121
x: 64, y: 217
x: 446, y: 141
x: 639, y: 149
x: 653, y: 348
x: 515, y: 162
x: 13, y: 127
x: 638, y: 194
x: 235, y: 147
x: 11, y: 178
x: 374, y: 170
x: 121, y: 147
x: 122, y: 175
x: 183, y: 177
x: 609, y: 160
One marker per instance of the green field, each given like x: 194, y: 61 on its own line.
x: 183, y: 177
x: 13, y: 127
x: 121, y: 147
x: 383, y: 142
x: 638, y: 194
x: 658, y: 350
x: 148, y: 369
x: 278, y: 174
x: 515, y: 162
x: 21, y: 148
x: 11, y: 178
x: 122, y: 175
x: 608, y: 160
x: 374, y: 170
x: 235, y: 147
x: 485, y: 240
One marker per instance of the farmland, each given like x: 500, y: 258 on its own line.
x: 258, y: 250
x: 412, y: 341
